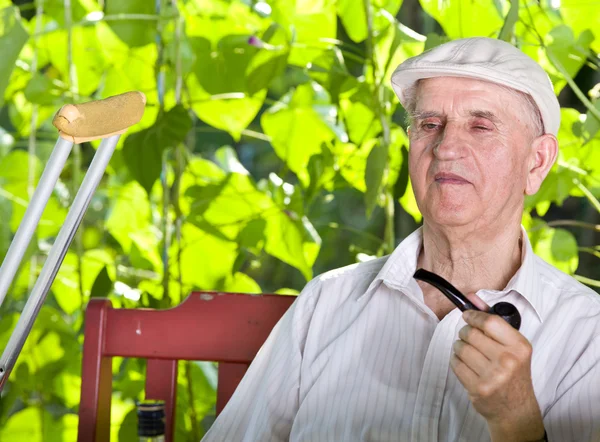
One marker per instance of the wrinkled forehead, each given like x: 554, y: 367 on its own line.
x: 455, y: 95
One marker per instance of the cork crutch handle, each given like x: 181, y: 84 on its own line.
x: 100, y: 118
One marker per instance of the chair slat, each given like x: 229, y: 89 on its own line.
x: 230, y: 375
x: 161, y: 383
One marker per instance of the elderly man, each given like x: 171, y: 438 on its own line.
x: 367, y: 353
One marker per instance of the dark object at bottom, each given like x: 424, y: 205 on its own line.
x: 151, y: 418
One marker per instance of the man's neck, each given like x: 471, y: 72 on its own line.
x: 486, y: 260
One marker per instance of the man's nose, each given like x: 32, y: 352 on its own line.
x: 451, y: 143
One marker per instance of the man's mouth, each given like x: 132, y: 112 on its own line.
x: 449, y: 178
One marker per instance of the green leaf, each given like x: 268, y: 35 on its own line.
x: 132, y: 32
x: 558, y: 247
x: 353, y: 162
x: 79, y: 10
x: 129, y: 222
x: 591, y: 126
x: 5, y: 231
x: 252, y: 236
x: 20, y: 112
x: 90, y: 62
x: 358, y: 113
x: 582, y: 16
x: 573, y: 161
x: 353, y: 17
x: 297, y: 131
x: 34, y: 425
x: 216, y: 266
x: 241, y: 283
x: 232, y: 114
x: 129, y: 426
x: 391, y: 6
x: 12, y: 39
x: 219, y: 69
x: 321, y: 172
x: 461, y: 19
x: 227, y: 158
x: 308, y: 23
x: 434, y: 40
x: 570, y: 53
x: 409, y: 204
x: 42, y: 90
x: 401, y: 183
x: 261, y: 76
x: 14, y: 168
x: 219, y: 94
x: 394, y: 44
x: 102, y: 285
x: 143, y: 153
x: 67, y: 283
x: 143, y: 150
x: 374, y: 175
x: 290, y: 238
x: 329, y: 70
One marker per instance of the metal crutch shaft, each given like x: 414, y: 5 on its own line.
x: 56, y: 256
x: 101, y: 119
x: 32, y: 216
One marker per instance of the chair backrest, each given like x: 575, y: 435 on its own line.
x: 228, y: 328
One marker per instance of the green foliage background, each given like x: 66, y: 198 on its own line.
x: 258, y: 164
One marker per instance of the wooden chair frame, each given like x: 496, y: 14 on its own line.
x: 228, y: 328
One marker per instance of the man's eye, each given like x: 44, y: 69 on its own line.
x: 429, y: 126
x: 482, y: 128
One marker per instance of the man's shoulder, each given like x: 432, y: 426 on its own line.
x: 342, y: 282
x: 358, y: 270
x: 569, y: 291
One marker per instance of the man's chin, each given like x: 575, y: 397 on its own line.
x: 451, y: 217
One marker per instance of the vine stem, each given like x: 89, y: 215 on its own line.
x: 571, y: 82
x: 31, y: 144
x: 574, y: 223
x: 588, y: 281
x: 389, y: 241
x: 76, y: 168
x: 164, y: 179
x: 31, y: 157
x: 180, y: 153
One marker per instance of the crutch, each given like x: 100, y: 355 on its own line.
x: 102, y: 119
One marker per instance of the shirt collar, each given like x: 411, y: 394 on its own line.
x: 526, y: 280
x: 398, y: 271
x: 401, y: 265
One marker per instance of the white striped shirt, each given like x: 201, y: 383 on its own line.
x: 360, y: 357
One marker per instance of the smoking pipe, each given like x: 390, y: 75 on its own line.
x: 505, y: 310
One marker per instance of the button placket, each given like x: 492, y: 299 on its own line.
x: 430, y: 393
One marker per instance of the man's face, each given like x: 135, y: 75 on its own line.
x: 469, y: 151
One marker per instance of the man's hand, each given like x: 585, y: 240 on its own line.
x: 493, y: 362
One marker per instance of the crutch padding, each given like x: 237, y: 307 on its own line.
x: 100, y: 118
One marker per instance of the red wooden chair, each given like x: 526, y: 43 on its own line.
x: 227, y: 328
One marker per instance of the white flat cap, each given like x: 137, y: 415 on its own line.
x: 484, y: 59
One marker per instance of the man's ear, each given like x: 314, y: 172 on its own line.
x: 544, y: 150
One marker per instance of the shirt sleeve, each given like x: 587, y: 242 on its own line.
x: 265, y: 403
x: 575, y: 415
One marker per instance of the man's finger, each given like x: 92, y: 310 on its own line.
x: 478, y: 339
x: 478, y: 302
x: 493, y: 326
x: 471, y: 357
x: 467, y: 377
